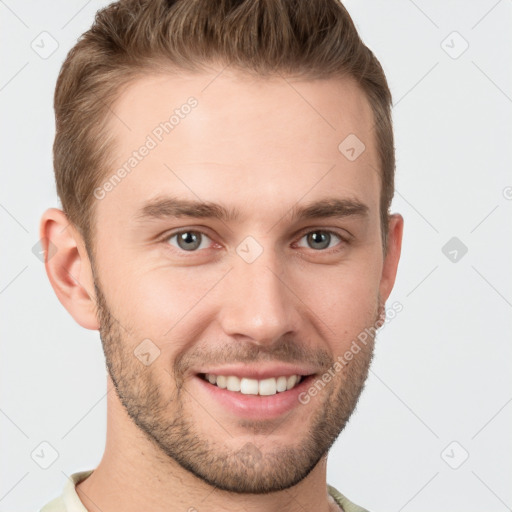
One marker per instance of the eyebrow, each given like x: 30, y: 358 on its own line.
x: 172, y: 207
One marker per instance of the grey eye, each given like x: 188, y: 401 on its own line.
x: 189, y: 240
x: 320, y: 239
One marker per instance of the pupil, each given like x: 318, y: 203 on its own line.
x: 319, y: 237
x: 188, y: 238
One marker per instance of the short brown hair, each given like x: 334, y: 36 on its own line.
x: 304, y: 38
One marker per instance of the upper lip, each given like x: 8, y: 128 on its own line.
x: 259, y: 372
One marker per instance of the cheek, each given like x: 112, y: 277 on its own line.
x: 160, y: 302
x: 344, y: 298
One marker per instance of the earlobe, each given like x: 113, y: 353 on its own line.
x: 392, y: 257
x: 68, y: 267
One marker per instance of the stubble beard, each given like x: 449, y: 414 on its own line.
x: 246, y: 469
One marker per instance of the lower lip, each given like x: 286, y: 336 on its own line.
x: 255, y: 406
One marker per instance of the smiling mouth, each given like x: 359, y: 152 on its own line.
x: 262, y: 387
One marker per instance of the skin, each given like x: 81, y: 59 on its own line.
x: 256, y: 145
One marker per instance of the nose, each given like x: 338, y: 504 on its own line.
x: 259, y: 303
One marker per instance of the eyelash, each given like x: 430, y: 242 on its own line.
x: 343, y: 240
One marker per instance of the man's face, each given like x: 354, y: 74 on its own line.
x: 266, y: 294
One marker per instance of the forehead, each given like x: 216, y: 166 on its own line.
x: 240, y: 139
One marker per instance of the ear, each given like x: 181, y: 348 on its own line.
x: 68, y: 267
x: 392, y: 256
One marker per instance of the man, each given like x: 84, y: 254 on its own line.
x: 225, y: 171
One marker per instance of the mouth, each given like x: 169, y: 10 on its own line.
x: 247, y: 386
x: 255, y: 399
x: 262, y: 392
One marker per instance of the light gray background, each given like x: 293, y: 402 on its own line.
x: 442, y: 369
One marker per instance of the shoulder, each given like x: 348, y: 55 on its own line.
x: 343, y: 501
x: 56, y: 505
x: 68, y: 501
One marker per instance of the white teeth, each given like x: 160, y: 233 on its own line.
x: 281, y: 384
x: 292, y: 379
x: 249, y: 386
x: 263, y: 387
x: 233, y: 383
x: 222, y: 381
x: 268, y: 386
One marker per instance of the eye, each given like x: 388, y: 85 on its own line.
x: 189, y: 240
x: 320, y: 239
